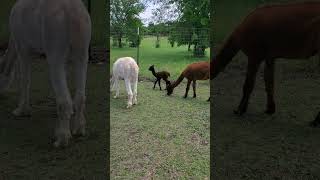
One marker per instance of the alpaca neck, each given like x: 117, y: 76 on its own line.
x: 224, y: 57
x: 178, y: 81
x: 154, y: 72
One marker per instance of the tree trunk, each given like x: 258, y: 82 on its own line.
x: 157, y: 41
x: 119, y: 42
x: 198, y: 50
x: 195, y: 48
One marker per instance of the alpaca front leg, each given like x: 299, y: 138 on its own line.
x: 316, y: 122
x: 253, y: 66
x: 63, y: 100
x: 129, y: 91
x: 155, y: 83
x: 78, y: 122
x: 24, y: 71
x: 194, y: 88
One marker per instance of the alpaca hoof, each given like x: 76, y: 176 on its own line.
x: 314, y: 123
x: 238, y: 112
x: 208, y: 100
x: 115, y: 97
x: 62, y: 140
x: 22, y: 112
x: 270, y: 111
x: 80, y: 131
x: 129, y: 106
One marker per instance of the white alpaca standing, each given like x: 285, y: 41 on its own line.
x: 126, y: 68
x: 61, y: 30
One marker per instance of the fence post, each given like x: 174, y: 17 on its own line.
x: 138, y: 44
x: 89, y: 11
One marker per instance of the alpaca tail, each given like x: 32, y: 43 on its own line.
x: 224, y: 56
x: 7, y: 64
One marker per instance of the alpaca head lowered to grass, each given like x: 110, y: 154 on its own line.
x: 169, y: 88
x: 193, y: 72
x: 126, y: 68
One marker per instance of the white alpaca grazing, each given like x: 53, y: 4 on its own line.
x: 126, y: 68
x: 61, y: 30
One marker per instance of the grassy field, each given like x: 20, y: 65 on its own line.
x: 26, y: 150
x: 162, y: 137
x: 256, y: 145
x: 173, y: 60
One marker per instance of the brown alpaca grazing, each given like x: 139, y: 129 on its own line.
x: 159, y: 75
x: 289, y: 30
x: 193, y: 72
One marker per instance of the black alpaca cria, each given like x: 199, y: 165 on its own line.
x: 159, y: 75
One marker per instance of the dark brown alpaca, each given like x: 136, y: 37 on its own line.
x: 159, y: 75
x: 269, y: 32
x: 193, y: 72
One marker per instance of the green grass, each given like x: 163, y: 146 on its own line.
x: 173, y: 60
x: 26, y: 142
x: 163, y: 137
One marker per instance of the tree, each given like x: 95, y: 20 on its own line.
x: 124, y: 17
x: 192, y: 23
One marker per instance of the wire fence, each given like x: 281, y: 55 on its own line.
x: 194, y: 40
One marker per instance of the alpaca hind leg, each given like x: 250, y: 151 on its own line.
x: 159, y: 84
x: 194, y: 88
x: 24, y: 71
x: 187, y: 89
x: 117, y: 86
x: 112, y: 84
x: 269, y: 85
x: 135, y: 91
x: 63, y: 100
x: 78, y: 122
x: 129, y: 91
